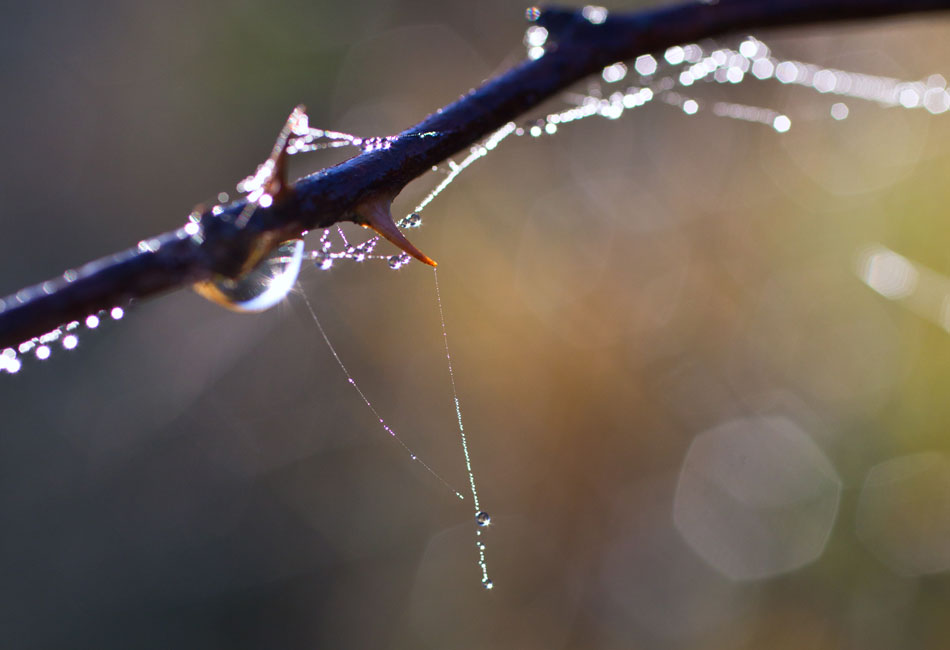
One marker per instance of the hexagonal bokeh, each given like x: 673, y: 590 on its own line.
x: 756, y: 497
x: 904, y: 513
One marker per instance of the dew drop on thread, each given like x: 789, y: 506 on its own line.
x: 483, y: 518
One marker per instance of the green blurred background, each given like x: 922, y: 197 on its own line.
x: 693, y: 423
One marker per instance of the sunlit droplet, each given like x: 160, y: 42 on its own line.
x: 594, y: 14
x: 117, y: 313
x: 532, y: 13
x: 839, y: 110
x: 675, y: 55
x: 263, y: 286
x: 488, y: 584
x: 483, y: 518
x: 614, y: 73
x: 92, y: 321
x: 70, y: 341
x: 645, y: 65
x: 322, y: 260
x: 786, y: 72
x: 782, y: 123
x: 42, y: 352
x: 535, y: 36
x: 762, y: 68
x: 748, y: 48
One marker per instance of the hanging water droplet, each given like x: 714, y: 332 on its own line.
x: 483, y: 518
x: 414, y: 220
x: 42, y: 353
x: 321, y: 259
x: 488, y: 584
x: 263, y: 286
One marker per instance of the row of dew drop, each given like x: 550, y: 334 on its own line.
x: 65, y: 337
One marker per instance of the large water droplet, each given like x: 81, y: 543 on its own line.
x: 488, y: 584
x: 263, y: 286
x: 483, y: 518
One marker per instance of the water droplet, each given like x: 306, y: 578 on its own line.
x: 42, y: 353
x: 414, y: 220
x: 322, y: 260
x: 782, y: 123
x: 488, y: 584
x: 117, y: 313
x: 92, y: 321
x: 532, y: 13
x: 395, y: 262
x: 595, y: 15
x: 70, y: 341
x: 483, y: 518
x: 645, y: 65
x: 839, y: 111
x: 263, y: 286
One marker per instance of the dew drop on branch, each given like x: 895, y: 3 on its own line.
x: 260, y: 288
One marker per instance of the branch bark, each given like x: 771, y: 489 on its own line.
x: 576, y: 48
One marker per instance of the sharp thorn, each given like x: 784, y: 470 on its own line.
x: 278, y: 179
x: 376, y: 214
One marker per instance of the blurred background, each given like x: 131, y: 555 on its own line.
x: 703, y: 365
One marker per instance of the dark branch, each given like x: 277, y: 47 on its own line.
x: 576, y: 48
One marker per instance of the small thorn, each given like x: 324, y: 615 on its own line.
x: 376, y: 215
x: 276, y: 185
x: 268, y: 184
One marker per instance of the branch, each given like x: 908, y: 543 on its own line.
x: 360, y: 189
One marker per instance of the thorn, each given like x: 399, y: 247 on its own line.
x: 276, y: 184
x: 376, y: 215
x: 268, y: 183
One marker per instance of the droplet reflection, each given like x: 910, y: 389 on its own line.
x: 263, y: 286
